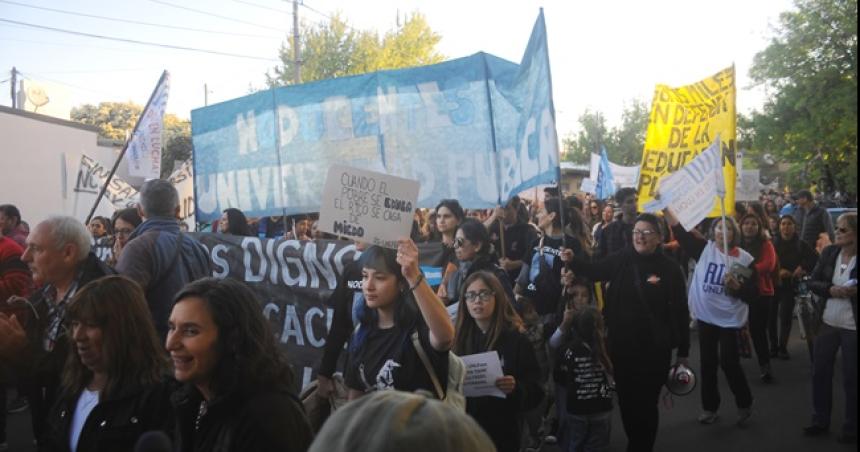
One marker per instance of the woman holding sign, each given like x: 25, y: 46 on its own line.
x: 718, y: 298
x: 486, y: 321
x: 399, y: 305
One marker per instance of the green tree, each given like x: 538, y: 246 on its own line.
x: 335, y: 49
x: 592, y: 133
x: 810, y: 118
x: 623, y: 143
x: 116, y: 119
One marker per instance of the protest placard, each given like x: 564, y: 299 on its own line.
x: 683, y: 122
x: 92, y: 175
x: 372, y: 207
x: 482, y: 371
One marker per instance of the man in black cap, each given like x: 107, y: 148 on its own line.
x: 812, y: 219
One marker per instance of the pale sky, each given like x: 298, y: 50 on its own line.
x: 602, y: 53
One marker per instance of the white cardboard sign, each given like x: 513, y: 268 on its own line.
x: 371, y: 207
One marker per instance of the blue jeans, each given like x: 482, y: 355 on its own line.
x: 827, y: 342
x: 586, y: 433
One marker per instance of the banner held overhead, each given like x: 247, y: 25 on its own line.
x: 479, y: 129
x: 683, y: 123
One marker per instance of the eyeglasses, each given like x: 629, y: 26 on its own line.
x: 644, y: 232
x: 124, y: 232
x: 459, y: 242
x: 843, y: 230
x: 482, y: 295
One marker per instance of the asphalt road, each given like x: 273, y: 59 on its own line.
x: 780, y: 412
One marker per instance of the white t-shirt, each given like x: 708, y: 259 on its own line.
x: 707, y: 296
x: 86, y: 402
x: 837, y: 311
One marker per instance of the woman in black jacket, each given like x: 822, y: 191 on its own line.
x: 835, y: 280
x: 486, y: 321
x: 796, y: 259
x: 113, y: 387
x: 237, y: 392
x: 474, y: 253
x: 646, y: 317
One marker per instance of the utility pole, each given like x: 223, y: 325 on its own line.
x: 297, y: 52
x: 205, y: 95
x: 12, y: 89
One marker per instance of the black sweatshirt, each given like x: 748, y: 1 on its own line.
x: 646, y: 304
x: 348, y: 289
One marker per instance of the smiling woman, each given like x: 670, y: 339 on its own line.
x: 237, y: 392
x: 109, y: 396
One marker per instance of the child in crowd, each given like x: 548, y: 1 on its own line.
x: 583, y: 374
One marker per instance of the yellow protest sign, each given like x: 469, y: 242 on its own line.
x: 684, y: 122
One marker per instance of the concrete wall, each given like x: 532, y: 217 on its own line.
x: 39, y: 161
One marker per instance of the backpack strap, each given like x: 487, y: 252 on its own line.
x: 426, y: 361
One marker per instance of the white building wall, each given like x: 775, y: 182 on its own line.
x: 39, y: 162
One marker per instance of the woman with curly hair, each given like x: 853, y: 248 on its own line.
x: 237, y: 385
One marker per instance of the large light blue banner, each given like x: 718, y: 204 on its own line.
x: 479, y: 129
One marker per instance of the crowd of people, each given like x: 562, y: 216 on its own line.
x: 116, y: 336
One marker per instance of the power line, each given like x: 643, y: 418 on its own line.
x: 207, y: 13
x: 32, y: 75
x: 136, y: 22
x: 327, y: 16
x: 264, y: 7
x: 133, y: 41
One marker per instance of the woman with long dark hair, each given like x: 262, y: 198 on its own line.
x: 486, y: 321
x: 237, y: 392
x: 646, y: 314
x: 756, y: 241
x: 114, y: 381
x: 233, y: 222
x: 399, y: 306
x: 796, y: 259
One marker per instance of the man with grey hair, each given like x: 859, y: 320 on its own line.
x: 60, y: 259
x: 158, y: 255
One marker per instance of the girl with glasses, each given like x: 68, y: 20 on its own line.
x: 486, y: 321
x: 474, y: 253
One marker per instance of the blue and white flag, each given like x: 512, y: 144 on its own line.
x: 689, y: 192
x: 144, y: 149
x: 479, y: 129
x: 605, y: 185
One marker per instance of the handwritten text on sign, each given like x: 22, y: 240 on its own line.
x: 371, y: 207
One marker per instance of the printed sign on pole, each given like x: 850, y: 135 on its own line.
x: 371, y: 207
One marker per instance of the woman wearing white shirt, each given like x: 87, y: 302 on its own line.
x: 716, y: 298
x: 835, y: 279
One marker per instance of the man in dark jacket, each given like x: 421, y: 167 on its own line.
x: 60, y: 258
x: 812, y: 219
x: 619, y: 234
x: 158, y: 257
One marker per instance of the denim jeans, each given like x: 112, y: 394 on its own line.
x: 587, y: 433
x: 828, y: 341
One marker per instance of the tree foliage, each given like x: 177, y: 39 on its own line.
x: 335, y: 49
x: 810, y: 120
x: 623, y: 143
x: 116, y: 119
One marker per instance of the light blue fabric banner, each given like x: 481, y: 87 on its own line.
x: 479, y: 129
x: 605, y: 181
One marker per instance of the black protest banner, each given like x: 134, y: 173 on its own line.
x: 294, y: 280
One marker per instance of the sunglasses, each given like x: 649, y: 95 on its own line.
x: 843, y: 230
x: 459, y: 242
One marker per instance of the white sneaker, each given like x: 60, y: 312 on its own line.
x: 550, y: 439
x: 708, y: 417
